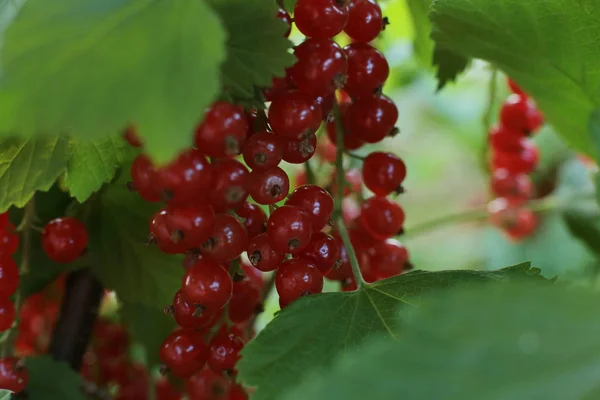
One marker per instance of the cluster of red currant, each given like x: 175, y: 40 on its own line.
x: 514, y: 157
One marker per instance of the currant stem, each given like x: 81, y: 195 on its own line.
x: 338, y: 213
x: 311, y: 178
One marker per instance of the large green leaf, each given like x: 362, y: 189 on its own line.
x: 5, y: 394
x: 313, y: 331
x: 257, y: 49
x: 94, y: 163
x: 119, y: 257
x: 422, y: 43
x: 495, y: 343
x: 91, y: 68
x: 549, y: 47
x: 52, y: 380
x: 29, y: 165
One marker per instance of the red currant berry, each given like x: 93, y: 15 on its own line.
x: 360, y: 236
x: 225, y: 351
x: 255, y: 219
x: 387, y: 259
x: 353, y: 178
x: 320, y: 18
x: 262, y: 256
x: 523, y: 161
x: 238, y: 393
x: 191, y: 225
x: 284, y: 16
x: 254, y: 275
x: 110, y: 339
x: 13, y: 375
x: 512, y: 85
x: 299, y: 151
x: 245, y: 301
x: 185, y: 180
x: 269, y: 186
x: 190, y: 316
x: 145, y: 178
x: 383, y: 173
x: 135, y: 384
x: 207, y: 385
x: 289, y: 229
x: 207, y: 284
x: 64, y: 239
x: 296, y: 278
x: 223, y: 130
x: 9, y: 277
x: 323, y: 251
x: 342, y: 270
x: 321, y: 67
x: 502, y: 138
x: 132, y: 137
x: 367, y: 70
x: 165, y: 390
x: 163, y: 236
x: 4, y: 220
x: 382, y: 217
x: 294, y: 115
x: 228, y: 239
x: 279, y: 86
x: 230, y: 184
x: 9, y: 241
x: 365, y: 21
x: 184, y: 352
x: 513, y: 186
x: 371, y: 118
x: 316, y: 202
x: 351, y: 141
x: 262, y: 151
x: 7, y: 314
x: 325, y: 103
x: 517, y: 223
x: 515, y: 113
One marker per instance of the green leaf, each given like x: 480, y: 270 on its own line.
x: 315, y: 329
x: 52, y: 380
x: 118, y: 253
x: 257, y: 49
x: 585, y: 226
x: 5, y: 394
x: 422, y: 44
x: 93, y: 164
x: 594, y: 128
x: 91, y: 68
x: 29, y: 165
x: 548, y: 47
x: 495, y: 342
x: 149, y: 327
x: 449, y: 65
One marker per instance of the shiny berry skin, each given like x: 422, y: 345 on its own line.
x: 351, y: 141
x: 132, y: 137
x: 325, y: 103
x: 64, y: 239
x: 502, y: 138
x: 284, y: 16
x: 261, y: 254
x: 320, y: 18
x: 245, y: 301
x: 289, y: 229
x: 163, y: 236
x: 9, y: 277
x: 382, y: 217
x: 207, y: 284
x: 189, y: 316
x: 367, y: 70
x: 269, y: 186
x: 230, y: 185
x: 191, y: 225
x: 207, y: 385
x: 223, y: 131
x: 145, y: 179
x: 255, y: 219
x: 13, y: 376
x: 323, y: 251
x: 263, y: 150
x: 371, y: 118
x: 321, y: 67
x: 7, y: 314
x: 365, y: 21
x: 316, y: 202
x: 228, y: 239
x: 387, y: 259
x: 360, y: 236
x: 9, y: 241
x: 516, y: 114
x: 296, y: 278
x: 184, y: 352
x: 279, y: 85
x: 523, y: 161
x: 299, y: 151
x: 185, y: 180
x: 225, y: 351
x: 383, y: 173
x: 294, y: 115
x: 513, y: 186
